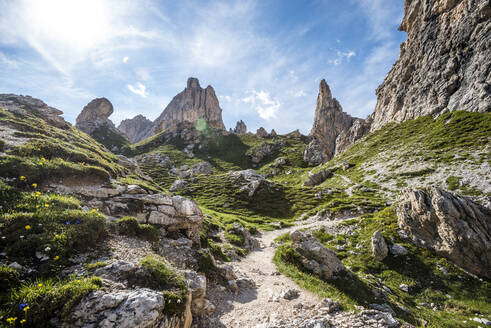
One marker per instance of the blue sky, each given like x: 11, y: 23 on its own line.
x: 265, y: 58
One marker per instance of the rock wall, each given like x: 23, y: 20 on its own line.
x: 329, y: 123
x: 135, y: 128
x: 190, y: 105
x: 442, y: 66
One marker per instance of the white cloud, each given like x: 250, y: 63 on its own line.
x: 7, y: 61
x: 125, y: 59
x: 341, y: 56
x: 266, y: 107
x: 139, y: 89
x: 300, y: 93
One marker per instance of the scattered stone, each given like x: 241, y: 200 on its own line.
x: 290, y: 294
x: 178, y: 185
x: 404, y: 288
x: 379, y: 246
x: 398, y: 250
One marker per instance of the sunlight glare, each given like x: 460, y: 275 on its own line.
x: 79, y: 24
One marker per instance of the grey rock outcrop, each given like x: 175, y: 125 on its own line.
x: 273, y: 133
x: 453, y: 226
x: 379, y: 246
x: 329, y: 122
x: 314, y: 256
x: 22, y: 104
x: 94, y: 120
x: 317, y: 178
x: 442, y: 66
x: 240, y: 128
x: 193, y: 105
x: 250, y: 242
x: 262, y: 133
x: 267, y: 149
x: 250, y: 182
x: 136, y: 128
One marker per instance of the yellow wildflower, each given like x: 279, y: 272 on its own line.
x: 46, y: 205
x: 43, y: 159
x: 40, y: 285
x: 27, y: 227
x: 23, y: 321
x: 22, y: 178
x: 56, y: 258
x: 26, y: 309
x: 40, y: 163
x: 38, y: 193
x: 35, y: 185
x: 11, y: 320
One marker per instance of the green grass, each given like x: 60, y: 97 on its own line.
x: 47, y: 299
x: 129, y: 226
x: 419, y: 270
x: 453, y: 182
x: 95, y: 265
x: 162, y: 276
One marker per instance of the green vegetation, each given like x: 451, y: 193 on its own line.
x: 457, y: 295
x: 41, y: 300
x: 164, y: 277
x: 95, y: 265
x: 129, y: 226
x: 453, y: 182
x: 54, y: 154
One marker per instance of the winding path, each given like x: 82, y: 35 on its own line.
x: 263, y: 304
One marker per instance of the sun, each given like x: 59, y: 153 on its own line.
x: 79, y: 24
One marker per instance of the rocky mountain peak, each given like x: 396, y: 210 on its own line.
x: 191, y: 104
x: 240, y: 128
x: 193, y: 83
x: 329, y: 122
x: 97, y: 109
x: 94, y: 120
x: 135, y: 128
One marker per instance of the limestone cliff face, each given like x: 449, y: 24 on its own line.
x: 135, y: 128
x: 443, y: 65
x: 190, y: 105
x: 329, y: 122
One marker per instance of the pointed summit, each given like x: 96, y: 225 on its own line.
x: 193, y: 83
x: 192, y: 104
x: 329, y: 122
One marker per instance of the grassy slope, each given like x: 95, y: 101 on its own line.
x: 457, y: 295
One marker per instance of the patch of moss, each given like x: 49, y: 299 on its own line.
x: 453, y: 182
x: 164, y: 277
x: 95, y: 265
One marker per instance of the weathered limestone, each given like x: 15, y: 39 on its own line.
x: 135, y: 128
x: 453, y: 226
x: 442, y: 66
x: 240, y: 128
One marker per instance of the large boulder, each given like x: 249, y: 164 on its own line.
x: 451, y: 225
x: 138, y: 308
x: 379, y: 246
x: 314, y: 256
x: 250, y: 181
x: 317, y: 178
